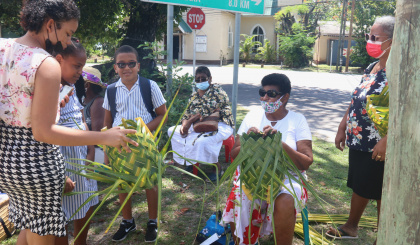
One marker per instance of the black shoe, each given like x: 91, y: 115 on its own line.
x: 189, y: 168
x: 125, y: 228
x: 151, y: 232
x: 213, y: 176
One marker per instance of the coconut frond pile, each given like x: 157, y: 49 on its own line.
x: 377, y: 108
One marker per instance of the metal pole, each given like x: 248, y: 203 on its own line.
x: 195, y: 50
x: 331, y: 55
x: 236, y: 67
x: 339, y: 39
x: 350, y: 36
x: 344, y: 33
x: 169, y: 46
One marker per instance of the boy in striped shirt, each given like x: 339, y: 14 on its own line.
x: 131, y: 103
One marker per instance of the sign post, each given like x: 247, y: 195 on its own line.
x: 241, y: 6
x: 196, y: 20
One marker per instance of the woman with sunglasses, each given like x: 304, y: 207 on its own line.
x: 201, y: 146
x: 366, y: 148
x: 297, y: 142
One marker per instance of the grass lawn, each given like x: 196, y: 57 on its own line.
x: 315, y: 68
x: 182, y: 199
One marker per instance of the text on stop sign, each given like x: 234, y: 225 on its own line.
x: 195, y: 18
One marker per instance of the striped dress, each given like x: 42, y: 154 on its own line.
x: 71, y: 111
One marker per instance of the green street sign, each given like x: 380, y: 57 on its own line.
x: 243, y: 6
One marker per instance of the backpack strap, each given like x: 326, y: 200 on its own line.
x: 111, y: 92
x: 146, y: 94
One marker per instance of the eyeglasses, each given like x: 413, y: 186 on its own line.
x: 201, y: 79
x: 270, y: 93
x: 131, y: 64
x: 371, y: 37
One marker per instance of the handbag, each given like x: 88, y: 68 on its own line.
x: 208, y: 124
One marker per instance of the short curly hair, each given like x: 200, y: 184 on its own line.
x: 277, y: 79
x: 36, y: 12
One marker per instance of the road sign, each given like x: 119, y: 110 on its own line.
x: 242, y: 6
x: 196, y: 18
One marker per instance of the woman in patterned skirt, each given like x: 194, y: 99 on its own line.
x: 32, y: 168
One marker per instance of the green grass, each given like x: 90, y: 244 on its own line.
x: 327, y: 175
x: 315, y: 68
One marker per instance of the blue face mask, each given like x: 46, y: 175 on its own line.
x: 203, y: 85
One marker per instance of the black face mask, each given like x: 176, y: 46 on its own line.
x: 51, y: 48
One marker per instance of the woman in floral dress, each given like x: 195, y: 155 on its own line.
x: 203, y: 146
x: 297, y: 142
x: 366, y: 148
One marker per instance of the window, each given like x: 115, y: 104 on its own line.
x: 230, y: 36
x: 259, y: 32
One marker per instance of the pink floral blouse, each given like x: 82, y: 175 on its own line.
x: 18, y: 66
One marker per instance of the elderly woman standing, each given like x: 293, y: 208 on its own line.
x: 366, y: 148
x: 197, y: 145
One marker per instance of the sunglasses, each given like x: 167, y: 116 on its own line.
x: 131, y: 64
x: 373, y: 38
x: 201, y: 79
x: 270, y: 93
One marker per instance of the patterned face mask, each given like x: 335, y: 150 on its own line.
x: 271, y: 107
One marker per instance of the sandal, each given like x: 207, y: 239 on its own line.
x: 342, y: 235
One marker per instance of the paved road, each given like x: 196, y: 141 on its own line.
x: 321, y: 97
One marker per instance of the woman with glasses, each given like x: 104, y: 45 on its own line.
x: 366, y: 148
x: 203, y: 146
x: 297, y: 142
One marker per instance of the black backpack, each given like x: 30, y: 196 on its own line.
x: 146, y: 94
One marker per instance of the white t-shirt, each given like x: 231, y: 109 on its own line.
x: 293, y: 126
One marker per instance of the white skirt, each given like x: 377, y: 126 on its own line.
x: 205, y: 149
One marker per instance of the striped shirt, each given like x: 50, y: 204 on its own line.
x: 129, y: 103
x: 69, y: 116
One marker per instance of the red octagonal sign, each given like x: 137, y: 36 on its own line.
x: 196, y: 18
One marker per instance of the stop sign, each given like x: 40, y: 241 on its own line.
x: 196, y: 18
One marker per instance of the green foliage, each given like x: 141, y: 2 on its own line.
x: 9, y: 16
x: 247, y: 45
x: 186, y: 80
x: 266, y: 53
x: 365, y: 13
x: 296, y: 49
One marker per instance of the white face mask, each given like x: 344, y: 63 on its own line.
x: 271, y: 107
x: 203, y: 85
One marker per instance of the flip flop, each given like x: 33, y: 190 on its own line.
x: 343, y: 235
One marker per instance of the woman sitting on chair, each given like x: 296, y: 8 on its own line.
x: 297, y: 142
x: 203, y: 146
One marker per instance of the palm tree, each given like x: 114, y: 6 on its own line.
x: 247, y: 45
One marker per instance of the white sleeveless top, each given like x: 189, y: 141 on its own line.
x: 18, y: 66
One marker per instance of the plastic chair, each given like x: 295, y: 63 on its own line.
x: 228, y: 147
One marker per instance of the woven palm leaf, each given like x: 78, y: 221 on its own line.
x: 142, y: 160
x: 377, y: 108
x: 264, y: 167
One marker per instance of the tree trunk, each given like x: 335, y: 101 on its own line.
x: 145, y: 20
x: 400, y: 212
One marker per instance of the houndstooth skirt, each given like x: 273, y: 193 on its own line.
x: 32, y: 175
